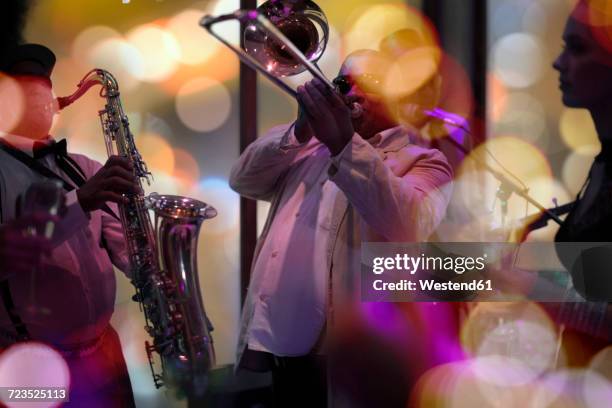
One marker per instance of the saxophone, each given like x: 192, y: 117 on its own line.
x: 163, y: 259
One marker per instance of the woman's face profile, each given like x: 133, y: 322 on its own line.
x: 585, y: 68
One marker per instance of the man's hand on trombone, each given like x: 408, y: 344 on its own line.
x: 327, y: 114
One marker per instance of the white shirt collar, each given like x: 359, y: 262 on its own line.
x: 25, y: 144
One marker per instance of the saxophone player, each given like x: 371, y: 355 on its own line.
x: 74, y: 287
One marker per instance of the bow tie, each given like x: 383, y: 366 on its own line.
x: 41, y: 150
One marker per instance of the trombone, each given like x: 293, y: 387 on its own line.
x: 281, y: 38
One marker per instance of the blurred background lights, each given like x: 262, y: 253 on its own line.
x: 156, y: 152
x: 371, y: 24
x: 196, y: 45
x: 159, y: 50
x: 121, y: 59
x: 519, y: 157
x: 203, y: 104
x: 216, y: 192
x: 578, y: 130
x: 33, y: 365
x: 89, y: 38
x: 497, y: 97
x: 596, y: 389
x: 228, y: 30
x: 186, y: 168
x: 531, y: 347
x: 523, y: 115
x: 576, y: 169
x: 519, y: 60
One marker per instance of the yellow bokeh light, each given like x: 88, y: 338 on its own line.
x: 87, y: 39
x: 186, y: 169
x: 121, y: 59
x: 159, y: 52
x: 196, y: 45
x: 411, y: 70
x: 519, y: 157
x: 156, y: 152
x: 203, y: 104
x: 578, y: 130
x: 12, y: 104
x: 576, y: 168
x: 161, y: 182
x: 84, y: 134
x: 544, y: 191
x: 371, y: 24
x: 223, y: 66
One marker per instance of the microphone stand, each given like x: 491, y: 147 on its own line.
x: 506, y: 186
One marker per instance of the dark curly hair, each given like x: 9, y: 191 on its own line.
x: 12, y: 21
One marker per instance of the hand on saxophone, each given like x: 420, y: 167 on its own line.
x: 110, y: 183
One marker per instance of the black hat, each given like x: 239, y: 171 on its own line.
x: 30, y: 59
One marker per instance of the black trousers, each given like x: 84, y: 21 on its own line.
x: 299, y: 381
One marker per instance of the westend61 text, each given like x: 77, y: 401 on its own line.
x: 429, y: 285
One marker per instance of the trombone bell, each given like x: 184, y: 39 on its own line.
x: 302, y: 22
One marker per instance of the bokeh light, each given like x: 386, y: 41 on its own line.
x: 156, y: 152
x: 371, y: 24
x: 578, y: 130
x: 518, y: 157
x: 196, y: 45
x: 33, y: 365
x: 546, y: 191
x: 159, y: 52
x: 120, y: 58
x: 576, y: 169
x: 217, y: 193
x: 518, y: 60
x: 91, y: 36
x: 203, y: 104
x: 186, y: 168
x: 524, y: 116
x: 596, y: 389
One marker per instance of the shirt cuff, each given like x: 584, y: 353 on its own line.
x: 289, y: 142
x: 344, y: 154
x: 75, y: 213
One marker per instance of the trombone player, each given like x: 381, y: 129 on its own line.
x: 334, y: 180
